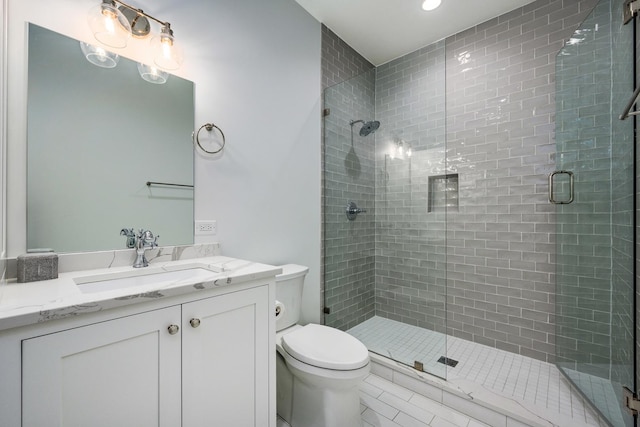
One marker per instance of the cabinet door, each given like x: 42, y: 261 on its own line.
x: 226, y: 360
x: 123, y: 372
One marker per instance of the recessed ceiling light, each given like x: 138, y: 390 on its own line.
x: 430, y: 4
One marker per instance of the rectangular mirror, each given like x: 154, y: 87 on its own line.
x: 95, y: 138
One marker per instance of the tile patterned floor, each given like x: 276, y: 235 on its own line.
x: 384, y: 404
x: 530, y: 381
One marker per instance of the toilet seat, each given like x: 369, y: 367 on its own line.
x: 326, y: 348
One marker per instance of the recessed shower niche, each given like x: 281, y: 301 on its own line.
x: 443, y: 193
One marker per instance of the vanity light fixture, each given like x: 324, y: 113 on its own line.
x: 114, y: 25
x: 430, y: 4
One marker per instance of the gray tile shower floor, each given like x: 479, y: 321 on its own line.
x: 537, y: 384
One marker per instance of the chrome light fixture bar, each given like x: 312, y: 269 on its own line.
x: 113, y: 25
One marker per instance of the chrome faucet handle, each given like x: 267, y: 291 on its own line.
x: 154, y: 244
x: 147, y: 239
x: 353, y: 210
x: 131, y: 237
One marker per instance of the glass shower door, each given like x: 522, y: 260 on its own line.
x: 593, y: 191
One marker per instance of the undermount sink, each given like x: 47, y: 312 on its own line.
x: 141, y: 277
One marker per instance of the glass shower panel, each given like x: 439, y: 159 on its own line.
x: 594, y: 241
x: 349, y: 170
x: 385, y: 270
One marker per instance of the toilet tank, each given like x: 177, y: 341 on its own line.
x: 289, y: 293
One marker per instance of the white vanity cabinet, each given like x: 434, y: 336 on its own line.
x: 225, y: 360
x: 200, y: 362
x: 123, y: 372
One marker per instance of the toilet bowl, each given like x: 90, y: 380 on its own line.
x: 319, y: 368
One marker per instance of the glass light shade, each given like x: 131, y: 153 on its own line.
x: 152, y: 74
x: 98, y: 56
x: 166, y: 54
x: 430, y: 4
x: 109, y: 26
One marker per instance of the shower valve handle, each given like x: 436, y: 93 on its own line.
x: 353, y: 210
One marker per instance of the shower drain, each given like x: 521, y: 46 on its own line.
x: 447, y: 361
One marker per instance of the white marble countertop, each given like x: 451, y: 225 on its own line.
x: 23, y: 304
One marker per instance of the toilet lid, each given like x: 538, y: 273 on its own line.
x: 326, y: 347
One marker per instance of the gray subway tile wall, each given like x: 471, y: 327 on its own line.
x: 480, y: 104
x: 339, y: 62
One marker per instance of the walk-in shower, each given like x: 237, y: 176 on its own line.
x: 460, y: 257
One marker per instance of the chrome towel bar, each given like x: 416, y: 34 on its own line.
x: 168, y: 184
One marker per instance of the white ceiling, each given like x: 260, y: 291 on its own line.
x: 382, y: 30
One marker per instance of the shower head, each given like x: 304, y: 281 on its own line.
x: 367, y: 127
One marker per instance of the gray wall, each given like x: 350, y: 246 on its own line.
x: 340, y: 62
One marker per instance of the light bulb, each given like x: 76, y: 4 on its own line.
x: 108, y: 25
x: 152, y: 74
x: 98, y: 56
x: 166, y: 55
x: 430, y: 4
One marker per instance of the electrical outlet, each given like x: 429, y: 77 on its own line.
x: 206, y: 228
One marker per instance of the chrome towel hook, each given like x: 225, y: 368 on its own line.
x: 209, y: 127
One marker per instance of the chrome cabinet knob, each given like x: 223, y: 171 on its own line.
x: 194, y: 323
x: 173, y: 329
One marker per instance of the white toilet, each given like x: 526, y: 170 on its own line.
x: 318, y: 368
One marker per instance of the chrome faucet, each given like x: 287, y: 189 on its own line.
x: 141, y: 242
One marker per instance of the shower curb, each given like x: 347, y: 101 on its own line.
x: 486, y: 406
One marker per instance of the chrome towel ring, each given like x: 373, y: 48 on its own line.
x: 209, y: 127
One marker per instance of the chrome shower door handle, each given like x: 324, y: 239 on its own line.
x: 552, y: 196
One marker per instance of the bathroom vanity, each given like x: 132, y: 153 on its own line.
x: 192, y: 346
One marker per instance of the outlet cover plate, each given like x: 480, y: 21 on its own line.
x: 206, y: 228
